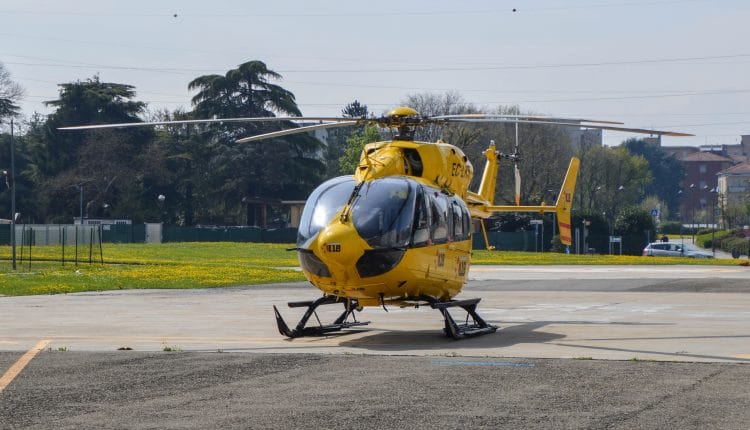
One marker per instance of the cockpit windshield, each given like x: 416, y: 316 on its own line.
x: 322, y: 205
x: 383, y: 212
x: 393, y: 212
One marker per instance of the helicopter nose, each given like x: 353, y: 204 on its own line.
x: 339, y: 243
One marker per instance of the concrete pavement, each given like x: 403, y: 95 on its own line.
x: 674, y: 313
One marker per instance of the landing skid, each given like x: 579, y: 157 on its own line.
x: 459, y: 331
x: 341, y: 322
x: 452, y: 329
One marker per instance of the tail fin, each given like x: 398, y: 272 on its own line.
x: 565, y: 202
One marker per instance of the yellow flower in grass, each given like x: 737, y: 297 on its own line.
x: 58, y: 288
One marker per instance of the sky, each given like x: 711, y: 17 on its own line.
x: 667, y: 64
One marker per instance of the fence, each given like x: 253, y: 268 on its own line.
x: 84, y: 235
x: 511, y: 241
x: 172, y: 233
x: 52, y: 234
x: 530, y: 242
x: 56, y: 234
x: 75, y: 241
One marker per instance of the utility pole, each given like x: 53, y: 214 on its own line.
x: 13, y: 194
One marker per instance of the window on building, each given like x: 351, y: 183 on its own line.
x: 702, y: 168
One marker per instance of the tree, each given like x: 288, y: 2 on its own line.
x: 355, y: 110
x: 107, y: 163
x: 10, y: 94
x: 430, y: 104
x: 24, y: 193
x: 337, y: 138
x: 610, y: 179
x: 654, y: 202
x: 87, y: 102
x: 286, y: 167
x: 637, y: 228
x: 597, y: 228
x: 244, y: 91
x: 736, y: 214
x: 544, y: 154
x: 354, y: 145
x: 667, y: 172
x: 178, y: 160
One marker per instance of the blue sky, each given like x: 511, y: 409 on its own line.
x: 674, y: 64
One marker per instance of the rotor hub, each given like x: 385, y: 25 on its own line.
x: 404, y: 119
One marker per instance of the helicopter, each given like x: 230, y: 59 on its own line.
x: 398, y: 231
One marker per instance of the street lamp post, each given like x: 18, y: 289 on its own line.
x: 162, y: 213
x: 13, y: 194
x: 692, y: 204
x: 714, y: 193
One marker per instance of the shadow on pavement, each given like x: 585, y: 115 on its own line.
x: 407, y: 340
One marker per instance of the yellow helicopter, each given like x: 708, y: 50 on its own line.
x: 399, y: 230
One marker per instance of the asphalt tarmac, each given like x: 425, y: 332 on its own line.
x: 582, y: 347
x: 313, y: 391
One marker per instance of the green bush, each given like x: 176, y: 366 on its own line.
x: 636, y: 226
x: 707, y: 240
x: 734, y: 243
x: 557, y: 245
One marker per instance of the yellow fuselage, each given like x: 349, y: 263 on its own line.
x: 435, y: 270
x: 433, y: 261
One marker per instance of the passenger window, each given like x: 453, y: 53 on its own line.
x: 439, y: 211
x: 421, y: 220
x: 467, y: 221
x: 458, y: 222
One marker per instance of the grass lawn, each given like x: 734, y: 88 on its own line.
x: 127, y: 266
x: 214, y: 264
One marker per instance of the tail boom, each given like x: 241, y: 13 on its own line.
x: 481, y: 208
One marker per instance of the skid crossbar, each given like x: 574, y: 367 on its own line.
x: 340, y: 323
x: 455, y: 330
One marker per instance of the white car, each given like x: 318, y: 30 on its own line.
x: 674, y: 249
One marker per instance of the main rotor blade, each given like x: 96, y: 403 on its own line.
x: 599, y: 127
x: 296, y: 130
x: 506, y: 118
x: 204, y: 121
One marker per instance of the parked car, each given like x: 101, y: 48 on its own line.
x: 674, y: 249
